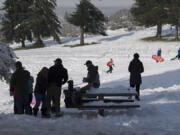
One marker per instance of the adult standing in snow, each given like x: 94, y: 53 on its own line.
x: 135, y: 69
x: 40, y: 91
x: 92, y: 77
x: 57, y: 76
x: 19, y: 86
x: 178, y: 56
x: 110, y: 64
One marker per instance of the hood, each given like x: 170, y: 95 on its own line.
x: 93, y: 68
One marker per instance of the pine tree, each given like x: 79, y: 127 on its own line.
x: 174, y: 15
x: 14, y: 27
x: 151, y: 13
x: 89, y: 18
x: 7, y: 61
x: 44, y: 21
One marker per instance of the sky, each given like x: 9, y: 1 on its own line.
x: 100, y: 3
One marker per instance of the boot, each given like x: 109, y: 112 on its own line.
x: 137, y: 98
x: 46, y: 115
x: 43, y: 112
x: 30, y: 110
x: 35, y: 111
x: 15, y: 110
x: 59, y: 114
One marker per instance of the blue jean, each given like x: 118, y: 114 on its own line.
x: 22, y: 103
x: 40, y: 98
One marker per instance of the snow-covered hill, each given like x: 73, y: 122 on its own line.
x: 160, y: 100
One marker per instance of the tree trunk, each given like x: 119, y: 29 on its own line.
x: 39, y: 42
x: 177, y: 33
x: 82, y: 36
x: 23, y: 43
x: 159, y: 30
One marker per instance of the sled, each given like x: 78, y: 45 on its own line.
x: 174, y: 58
x: 158, y: 58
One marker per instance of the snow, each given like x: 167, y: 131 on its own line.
x: 160, y: 100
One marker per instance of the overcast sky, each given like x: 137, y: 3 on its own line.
x: 103, y: 3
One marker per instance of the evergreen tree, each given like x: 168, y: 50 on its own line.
x: 174, y: 14
x: 151, y: 13
x: 7, y: 61
x: 43, y: 21
x: 14, y: 27
x: 89, y: 18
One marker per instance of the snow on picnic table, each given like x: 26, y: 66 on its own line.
x: 160, y: 92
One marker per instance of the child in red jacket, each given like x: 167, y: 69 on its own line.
x: 110, y: 64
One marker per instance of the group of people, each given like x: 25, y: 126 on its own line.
x: 177, y: 56
x: 49, y: 83
x: 47, y: 88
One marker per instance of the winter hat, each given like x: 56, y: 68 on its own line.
x: 58, y: 60
x: 18, y: 64
x: 88, y: 62
x: 136, y: 56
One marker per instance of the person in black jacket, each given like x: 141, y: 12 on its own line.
x: 19, y: 86
x: 40, y: 91
x: 92, y: 77
x: 135, y: 69
x: 57, y: 76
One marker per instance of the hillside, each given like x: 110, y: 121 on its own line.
x: 159, y: 112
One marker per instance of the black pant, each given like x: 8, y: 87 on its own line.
x: 110, y: 69
x: 22, y: 103
x: 53, y: 94
x: 15, y: 108
x: 30, y: 100
x: 137, y: 88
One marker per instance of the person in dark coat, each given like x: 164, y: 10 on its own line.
x: 135, y: 69
x: 40, y: 91
x: 57, y: 76
x: 92, y: 77
x: 19, y: 86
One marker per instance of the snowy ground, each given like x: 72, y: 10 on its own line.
x: 160, y: 93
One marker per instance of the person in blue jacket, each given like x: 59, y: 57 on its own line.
x: 178, y: 54
x: 159, y: 52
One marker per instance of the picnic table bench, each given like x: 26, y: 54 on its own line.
x: 99, y: 101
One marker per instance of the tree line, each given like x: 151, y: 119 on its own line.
x: 157, y: 13
x: 34, y: 20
